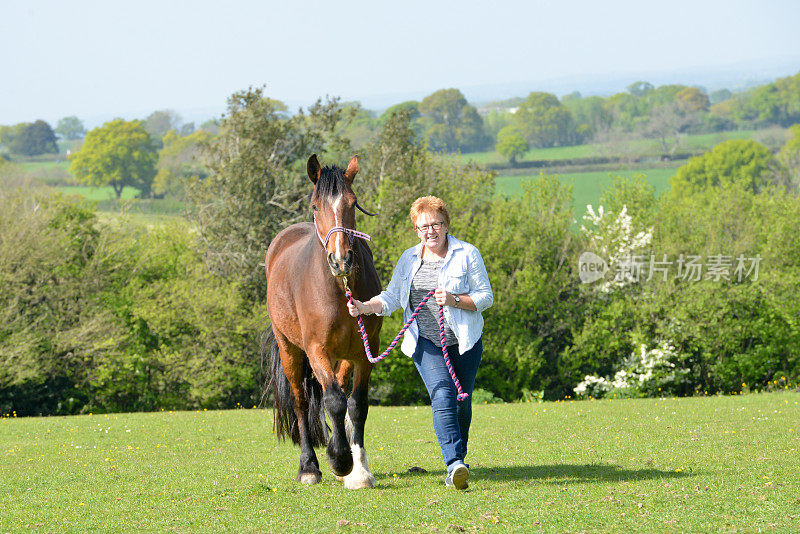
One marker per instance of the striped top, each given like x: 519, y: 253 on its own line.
x: 425, y: 279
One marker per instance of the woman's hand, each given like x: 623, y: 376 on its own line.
x: 356, y: 308
x: 443, y: 298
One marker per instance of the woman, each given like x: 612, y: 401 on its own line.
x: 456, y: 270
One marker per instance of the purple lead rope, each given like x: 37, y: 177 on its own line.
x: 461, y: 394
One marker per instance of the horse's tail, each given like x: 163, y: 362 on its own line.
x: 283, y: 400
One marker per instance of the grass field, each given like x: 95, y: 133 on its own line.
x: 588, y: 186
x: 97, y: 193
x: 644, y: 147
x: 139, y: 211
x: 720, y: 464
x: 34, y: 166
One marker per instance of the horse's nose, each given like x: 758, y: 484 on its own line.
x: 341, y: 267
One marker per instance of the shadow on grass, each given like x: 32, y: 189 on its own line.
x: 559, y: 474
x: 574, y: 473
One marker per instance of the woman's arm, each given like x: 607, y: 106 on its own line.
x: 445, y: 298
x: 369, y: 307
x: 480, y: 289
x: 387, y: 301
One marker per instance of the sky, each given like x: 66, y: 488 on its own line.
x: 104, y: 59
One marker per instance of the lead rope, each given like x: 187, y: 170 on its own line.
x: 461, y: 394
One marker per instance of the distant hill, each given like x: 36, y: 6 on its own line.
x: 736, y: 77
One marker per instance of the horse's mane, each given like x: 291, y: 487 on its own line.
x: 331, y: 182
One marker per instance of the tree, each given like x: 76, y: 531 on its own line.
x: 410, y: 106
x: 692, y: 100
x: 9, y: 133
x: 257, y: 184
x: 158, y: 123
x: 640, y: 88
x: 34, y: 139
x: 211, y: 126
x: 774, y: 103
x: 362, y: 124
x: 590, y: 114
x: 663, y: 94
x: 495, y: 121
x: 785, y: 171
x: 626, y: 110
x: 740, y: 162
x: 665, y: 122
x: 120, y: 154
x: 451, y: 122
x: 543, y: 121
x: 510, y: 144
x: 70, y: 128
x: 720, y: 95
x: 178, y: 161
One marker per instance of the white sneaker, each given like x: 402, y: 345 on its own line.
x: 457, y: 477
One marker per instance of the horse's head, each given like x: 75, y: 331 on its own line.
x: 334, y: 206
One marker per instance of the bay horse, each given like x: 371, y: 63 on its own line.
x: 316, y: 344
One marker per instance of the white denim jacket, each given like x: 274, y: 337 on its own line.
x: 462, y: 272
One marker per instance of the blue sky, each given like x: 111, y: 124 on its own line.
x: 98, y: 60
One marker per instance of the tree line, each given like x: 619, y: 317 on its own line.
x: 449, y: 123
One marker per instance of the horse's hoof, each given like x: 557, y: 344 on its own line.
x: 310, y: 478
x: 359, y: 478
x: 341, y: 466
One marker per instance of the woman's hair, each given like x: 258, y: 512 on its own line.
x: 429, y: 204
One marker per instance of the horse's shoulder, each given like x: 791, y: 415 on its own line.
x: 292, y: 234
x: 302, y: 229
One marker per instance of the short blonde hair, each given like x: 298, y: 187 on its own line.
x: 429, y: 204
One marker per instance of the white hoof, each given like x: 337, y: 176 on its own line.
x: 310, y: 478
x: 359, y: 478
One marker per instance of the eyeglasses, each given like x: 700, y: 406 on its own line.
x: 433, y: 226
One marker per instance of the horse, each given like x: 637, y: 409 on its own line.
x: 316, y: 344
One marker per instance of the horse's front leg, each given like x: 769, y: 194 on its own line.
x: 357, y: 408
x: 335, y: 402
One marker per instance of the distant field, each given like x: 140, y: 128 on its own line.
x: 643, y: 147
x: 140, y: 211
x: 719, y: 464
x: 97, y: 193
x: 32, y: 166
x: 554, y: 153
x: 588, y: 186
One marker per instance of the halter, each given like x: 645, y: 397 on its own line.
x: 351, y: 233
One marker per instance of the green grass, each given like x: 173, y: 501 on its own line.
x: 588, y: 186
x: 34, y: 166
x: 721, y: 464
x: 147, y: 212
x: 97, y: 193
x: 535, y: 154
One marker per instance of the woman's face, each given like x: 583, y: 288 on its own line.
x: 432, y: 231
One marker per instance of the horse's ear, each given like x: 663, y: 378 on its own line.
x: 352, y: 170
x: 313, y: 169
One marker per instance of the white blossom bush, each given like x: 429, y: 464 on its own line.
x: 593, y: 386
x: 615, y: 239
x: 638, y: 372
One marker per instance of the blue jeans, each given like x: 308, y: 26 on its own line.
x: 451, y: 418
